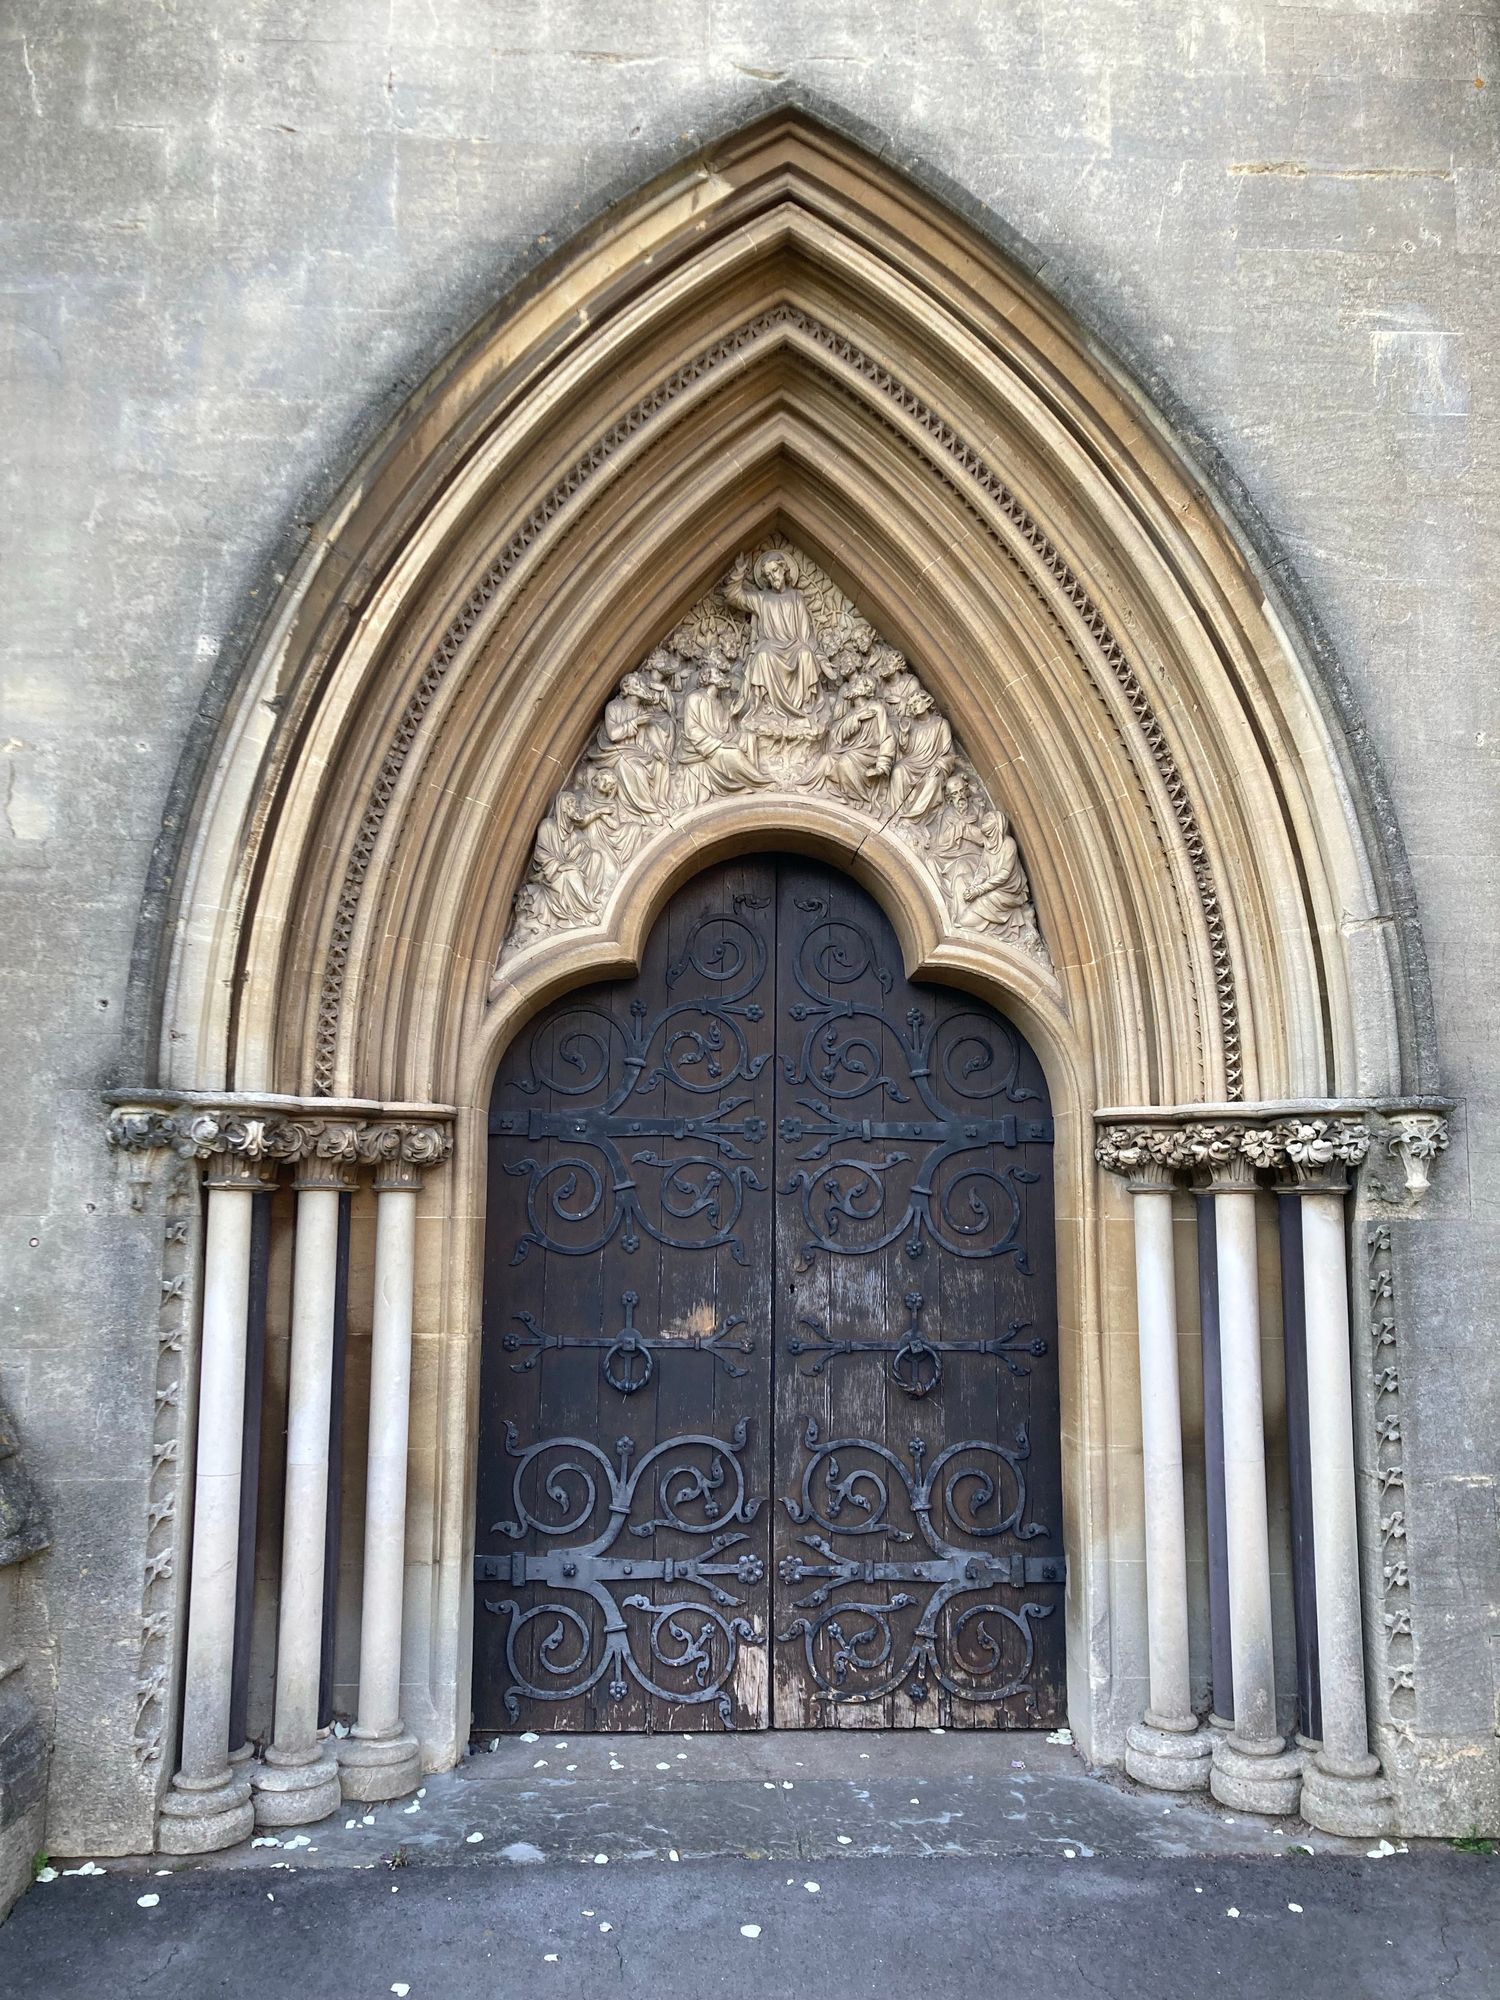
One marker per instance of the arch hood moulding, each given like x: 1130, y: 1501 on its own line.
x: 780, y: 342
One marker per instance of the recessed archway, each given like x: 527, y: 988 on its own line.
x: 784, y: 337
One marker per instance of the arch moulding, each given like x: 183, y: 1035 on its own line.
x: 782, y: 338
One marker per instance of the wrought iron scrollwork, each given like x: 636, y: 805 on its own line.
x: 563, y: 1486
x: 962, y: 1202
x: 628, y: 1363
x: 916, y: 1361
x: 852, y: 1645
x: 588, y: 1193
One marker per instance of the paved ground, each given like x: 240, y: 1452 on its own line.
x: 940, y: 1867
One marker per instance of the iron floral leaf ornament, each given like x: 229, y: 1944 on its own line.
x: 773, y: 683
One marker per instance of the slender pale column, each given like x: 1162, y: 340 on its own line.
x: 299, y: 1782
x: 1343, y: 1790
x: 1252, y: 1767
x: 1166, y: 1748
x: 208, y: 1805
x: 379, y: 1759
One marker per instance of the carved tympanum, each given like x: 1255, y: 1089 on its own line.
x: 774, y: 682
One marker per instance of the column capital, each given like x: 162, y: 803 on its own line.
x: 402, y: 1151
x: 1415, y: 1138
x: 1225, y: 1153
x: 325, y: 1143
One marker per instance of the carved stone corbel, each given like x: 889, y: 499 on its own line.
x: 1415, y: 1139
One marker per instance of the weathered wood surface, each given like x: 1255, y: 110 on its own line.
x: 771, y: 1002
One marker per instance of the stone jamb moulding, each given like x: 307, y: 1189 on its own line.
x: 240, y: 1142
x: 1312, y: 1149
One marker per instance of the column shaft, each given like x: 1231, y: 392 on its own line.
x: 379, y: 1760
x: 1252, y: 1767
x: 209, y: 1805
x: 1165, y: 1749
x: 1344, y: 1792
x: 299, y: 1783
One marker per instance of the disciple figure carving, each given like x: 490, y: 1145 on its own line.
x: 774, y: 681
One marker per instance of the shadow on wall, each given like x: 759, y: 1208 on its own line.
x: 23, y: 1742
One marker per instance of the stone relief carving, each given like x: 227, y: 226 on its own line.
x: 1401, y: 1676
x: 1299, y: 1149
x: 774, y: 682
x: 199, y: 1133
x: 1415, y: 1140
x: 23, y: 1526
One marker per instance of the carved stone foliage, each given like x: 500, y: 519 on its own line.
x: 774, y: 682
x: 1400, y: 1692
x: 208, y: 1133
x: 1299, y: 1149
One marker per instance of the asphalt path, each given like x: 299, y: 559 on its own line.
x: 1408, y: 1927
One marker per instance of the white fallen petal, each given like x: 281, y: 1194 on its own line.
x: 349, y: 1826
x: 1380, y: 1850
x: 341, y: 1729
x: 147, y: 1902
x: 750, y: 1930
x: 549, y: 1958
x: 673, y: 1855
x: 600, y: 1859
x: 540, y: 1764
x: 494, y: 1742
x: 786, y: 1784
x: 529, y: 1736
x: 913, y: 1802
x: 45, y: 1875
x: 813, y: 1888
x: 574, y: 1767
x: 367, y: 1819
x: 588, y: 1913
x: 766, y: 1785
x: 400, y: 1988
x: 1063, y: 1735
x: 1070, y: 1854
x: 1295, y: 1908
x: 864, y: 1756
x: 845, y: 1840
x: 415, y: 1806
x: 615, y: 1764
x: 660, y: 1767
x: 161, y: 1871
x: 473, y: 1838
x: 299, y: 1840
x: 421, y: 1791
x: 266, y: 1840
x: 1231, y: 1911
x: 606, y: 1927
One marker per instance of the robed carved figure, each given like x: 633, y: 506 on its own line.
x: 773, y: 682
x: 782, y: 668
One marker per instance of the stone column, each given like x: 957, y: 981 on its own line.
x: 379, y: 1759
x: 1253, y: 1769
x: 299, y: 1782
x: 1165, y: 1749
x: 208, y: 1805
x: 1343, y: 1790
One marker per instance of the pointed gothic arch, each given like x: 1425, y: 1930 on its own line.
x: 784, y: 335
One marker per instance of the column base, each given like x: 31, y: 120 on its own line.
x: 201, y: 1821
x: 1265, y: 1780
x: 296, y: 1794
x: 1169, y: 1760
x: 1360, y: 1806
x: 372, y: 1768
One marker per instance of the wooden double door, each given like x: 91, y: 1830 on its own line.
x: 769, y: 1407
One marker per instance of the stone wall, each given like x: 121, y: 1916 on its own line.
x: 239, y: 233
